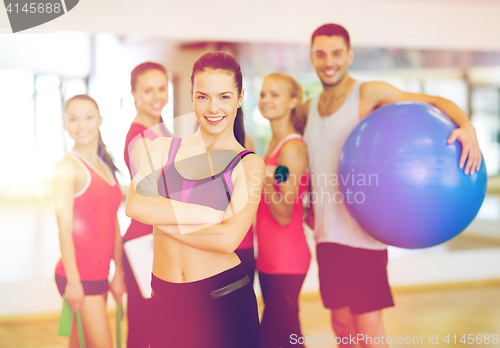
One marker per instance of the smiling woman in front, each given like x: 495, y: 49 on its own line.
x: 201, y: 194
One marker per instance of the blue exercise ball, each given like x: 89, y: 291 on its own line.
x: 401, y: 181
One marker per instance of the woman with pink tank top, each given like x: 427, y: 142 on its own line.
x: 283, y: 254
x: 149, y: 87
x: 86, y: 199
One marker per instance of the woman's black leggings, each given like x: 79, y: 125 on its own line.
x: 216, y: 312
x: 281, y: 312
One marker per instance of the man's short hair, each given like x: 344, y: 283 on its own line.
x: 331, y: 29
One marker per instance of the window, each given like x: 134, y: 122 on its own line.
x: 31, y: 127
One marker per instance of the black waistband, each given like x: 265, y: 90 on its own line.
x: 213, y: 287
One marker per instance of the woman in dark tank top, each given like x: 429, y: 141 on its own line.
x: 201, y: 196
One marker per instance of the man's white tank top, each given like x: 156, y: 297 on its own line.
x: 325, y: 137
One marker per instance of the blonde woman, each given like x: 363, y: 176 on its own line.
x: 283, y: 254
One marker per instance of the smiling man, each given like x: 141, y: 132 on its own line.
x: 352, y: 264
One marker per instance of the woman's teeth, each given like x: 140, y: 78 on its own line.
x: 215, y: 119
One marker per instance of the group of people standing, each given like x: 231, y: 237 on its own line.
x: 200, y: 195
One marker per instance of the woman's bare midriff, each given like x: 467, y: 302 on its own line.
x: 176, y: 262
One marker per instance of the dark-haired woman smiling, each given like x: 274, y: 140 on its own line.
x: 208, y: 189
x: 149, y: 87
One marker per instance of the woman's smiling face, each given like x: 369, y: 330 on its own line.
x: 151, y: 92
x: 215, y: 100
x: 82, y: 121
x: 275, y: 99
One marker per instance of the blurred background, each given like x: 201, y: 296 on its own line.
x: 440, y: 47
